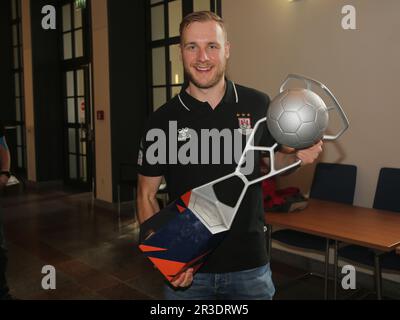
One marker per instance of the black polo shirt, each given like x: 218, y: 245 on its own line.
x: 241, y: 107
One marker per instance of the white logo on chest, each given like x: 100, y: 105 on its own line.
x: 183, y: 134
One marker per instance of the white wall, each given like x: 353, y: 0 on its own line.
x: 271, y: 38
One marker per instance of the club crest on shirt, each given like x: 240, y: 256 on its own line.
x: 183, y: 134
x: 244, y: 123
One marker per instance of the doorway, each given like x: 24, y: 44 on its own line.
x: 77, y: 97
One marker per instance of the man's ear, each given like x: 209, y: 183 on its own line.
x: 227, y: 49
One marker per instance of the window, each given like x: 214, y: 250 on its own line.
x: 167, y: 74
x: 76, y: 68
x: 201, y: 5
x: 72, y: 32
x: 18, y: 78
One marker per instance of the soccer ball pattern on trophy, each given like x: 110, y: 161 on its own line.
x: 297, y: 118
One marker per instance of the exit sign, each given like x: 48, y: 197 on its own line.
x: 80, y: 4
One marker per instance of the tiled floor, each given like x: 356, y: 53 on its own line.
x: 94, y: 253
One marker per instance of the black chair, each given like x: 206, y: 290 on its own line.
x: 333, y: 182
x: 386, y: 198
x: 127, y: 178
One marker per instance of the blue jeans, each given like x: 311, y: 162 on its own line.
x: 253, y: 284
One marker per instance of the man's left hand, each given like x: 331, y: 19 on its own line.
x: 309, y: 155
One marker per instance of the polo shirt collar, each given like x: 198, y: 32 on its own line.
x: 190, y: 103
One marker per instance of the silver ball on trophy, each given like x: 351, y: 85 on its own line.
x: 298, y: 117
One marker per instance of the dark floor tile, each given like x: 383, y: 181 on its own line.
x: 43, y: 251
x: 150, y: 283
x: 123, y: 292
x: 70, y: 291
x: 128, y: 271
x: 87, y: 276
x: 29, y: 284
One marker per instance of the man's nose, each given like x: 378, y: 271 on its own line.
x: 202, y: 55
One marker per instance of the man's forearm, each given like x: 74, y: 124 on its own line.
x: 283, y: 160
x: 147, y: 207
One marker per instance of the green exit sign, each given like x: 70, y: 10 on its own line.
x: 80, y: 4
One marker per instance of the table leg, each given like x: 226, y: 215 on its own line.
x: 378, y: 277
x: 326, y: 270
x: 335, y: 272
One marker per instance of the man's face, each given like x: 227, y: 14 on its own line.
x: 205, y: 52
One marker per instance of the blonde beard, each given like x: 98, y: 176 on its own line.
x: 218, y: 76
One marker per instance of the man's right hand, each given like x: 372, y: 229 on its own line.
x: 184, y: 280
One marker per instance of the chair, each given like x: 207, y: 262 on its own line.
x: 163, y: 194
x: 386, y: 198
x: 16, y: 185
x: 127, y: 178
x: 333, y: 182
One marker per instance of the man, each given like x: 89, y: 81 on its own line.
x: 4, y: 176
x: 238, y: 268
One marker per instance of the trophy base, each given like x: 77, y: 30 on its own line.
x: 175, y: 240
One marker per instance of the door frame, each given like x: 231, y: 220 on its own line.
x: 84, y: 62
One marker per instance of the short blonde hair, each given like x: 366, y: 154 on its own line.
x: 201, y: 16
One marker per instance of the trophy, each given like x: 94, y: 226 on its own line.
x: 185, y: 232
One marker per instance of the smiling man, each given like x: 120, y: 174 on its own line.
x: 239, y: 267
x: 205, y: 52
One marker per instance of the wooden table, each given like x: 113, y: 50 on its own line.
x: 375, y: 229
